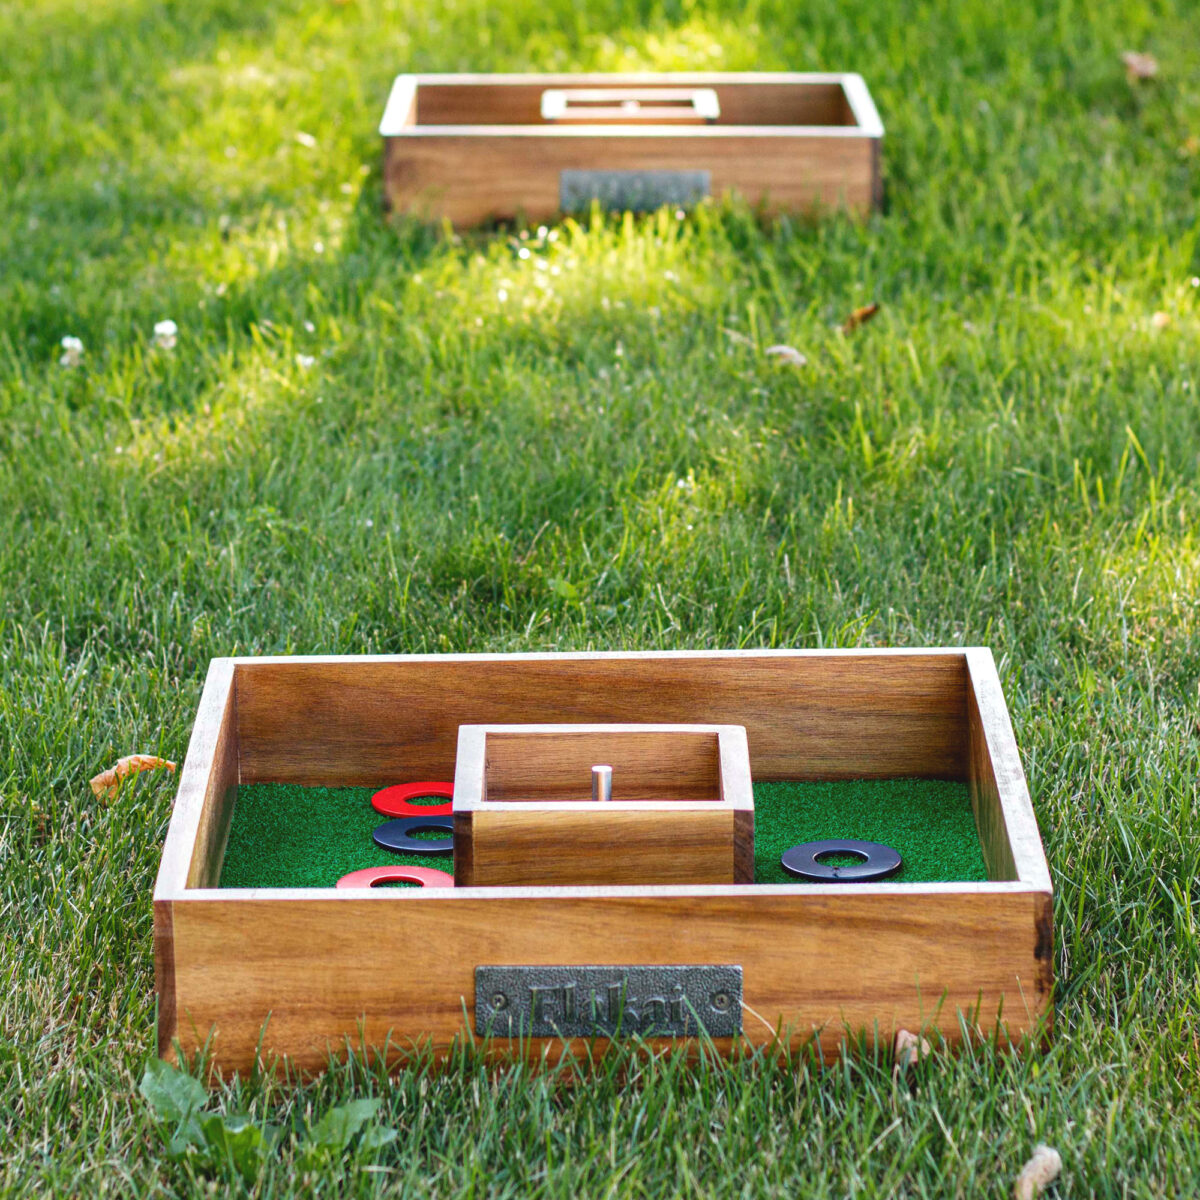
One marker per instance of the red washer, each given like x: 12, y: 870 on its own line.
x: 397, y: 801
x: 399, y: 873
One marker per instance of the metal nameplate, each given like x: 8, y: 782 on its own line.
x: 632, y: 191
x: 678, y: 1001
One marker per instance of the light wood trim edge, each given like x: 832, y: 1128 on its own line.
x: 989, y: 721
x: 666, y: 132
x: 735, y: 766
x: 850, y: 652
x: 866, y: 115
x: 209, y: 767
x: 400, y: 112
x: 698, y: 891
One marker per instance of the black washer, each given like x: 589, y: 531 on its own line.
x: 397, y: 835
x: 879, y: 861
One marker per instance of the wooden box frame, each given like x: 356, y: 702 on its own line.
x: 692, y: 820
x: 310, y: 970
x: 470, y: 148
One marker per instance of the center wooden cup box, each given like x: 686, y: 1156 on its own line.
x: 470, y: 148
x: 306, y: 972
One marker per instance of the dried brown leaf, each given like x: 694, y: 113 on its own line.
x: 860, y: 316
x: 107, y: 782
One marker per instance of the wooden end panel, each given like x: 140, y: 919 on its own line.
x: 600, y: 848
x: 1043, y: 925
x: 195, y: 842
x: 743, y: 845
x: 816, y: 965
x: 164, y: 976
x: 195, y: 845
x: 216, y: 815
x: 464, y: 849
x: 985, y: 801
x: 367, y: 723
x: 1004, y: 817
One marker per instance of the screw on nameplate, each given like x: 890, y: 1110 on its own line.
x: 632, y: 191
x: 674, y: 1001
x: 602, y: 783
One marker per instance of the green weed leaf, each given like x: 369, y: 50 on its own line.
x: 375, y: 1137
x: 338, y: 1126
x: 239, y: 1142
x: 171, y: 1094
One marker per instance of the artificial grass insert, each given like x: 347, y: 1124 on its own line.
x: 928, y: 821
x: 284, y: 835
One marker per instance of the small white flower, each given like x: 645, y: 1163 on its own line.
x: 72, y: 352
x: 501, y: 295
x: 788, y: 354
x: 310, y: 327
x: 306, y: 139
x: 305, y: 361
x: 318, y: 247
x: 166, y: 333
x: 369, y: 523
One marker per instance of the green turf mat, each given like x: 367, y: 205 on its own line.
x: 283, y: 835
x: 929, y: 821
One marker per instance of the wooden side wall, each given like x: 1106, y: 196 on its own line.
x: 817, y: 965
x: 371, y: 722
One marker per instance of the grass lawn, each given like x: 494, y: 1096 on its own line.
x: 376, y: 438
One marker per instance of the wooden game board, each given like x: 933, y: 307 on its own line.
x: 469, y: 148
x: 389, y: 967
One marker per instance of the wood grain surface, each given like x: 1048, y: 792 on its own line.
x: 817, y: 964
x: 536, y: 848
x: 374, y: 721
